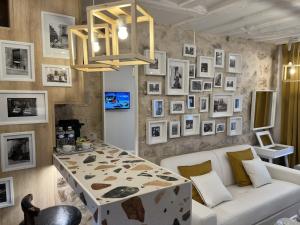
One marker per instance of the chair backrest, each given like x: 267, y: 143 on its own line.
x: 29, y: 210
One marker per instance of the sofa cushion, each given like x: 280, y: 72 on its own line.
x: 251, y: 205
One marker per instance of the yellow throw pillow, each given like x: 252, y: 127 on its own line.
x: 235, y: 159
x: 195, y: 170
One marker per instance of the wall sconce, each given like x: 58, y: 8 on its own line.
x: 289, y: 74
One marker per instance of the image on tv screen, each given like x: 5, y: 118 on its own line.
x: 117, y: 100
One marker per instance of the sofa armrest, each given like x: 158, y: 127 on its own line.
x: 283, y: 173
x: 202, y: 215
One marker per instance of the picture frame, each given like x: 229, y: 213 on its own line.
x: 159, y: 68
x: 174, y: 129
x: 23, y: 107
x: 190, y: 124
x: 220, y: 128
x: 189, y: 50
x: 192, y: 70
x: 218, y: 80
x: 154, y: 88
x: 158, y: 106
x: 234, y: 63
x: 205, y: 67
x: 196, y: 85
x: 191, y: 101
x: 6, y: 192
x: 238, y: 103
x: 17, y: 61
x: 156, y: 132
x: 56, y: 75
x: 207, y: 85
x: 177, y: 107
x: 265, y: 139
x: 18, y: 151
x: 219, y: 58
x: 208, y: 127
x: 221, y: 105
x: 177, y: 80
x: 55, y: 34
x: 234, y: 126
x: 204, y: 104
x: 230, y: 84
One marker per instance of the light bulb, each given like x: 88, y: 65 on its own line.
x: 96, y: 46
x: 293, y: 70
x: 123, y: 33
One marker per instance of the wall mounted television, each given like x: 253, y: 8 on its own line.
x: 117, y: 100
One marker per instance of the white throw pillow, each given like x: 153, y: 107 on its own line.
x: 258, y: 172
x: 211, y: 189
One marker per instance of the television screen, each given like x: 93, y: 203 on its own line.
x: 117, y: 100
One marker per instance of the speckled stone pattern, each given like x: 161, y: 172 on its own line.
x: 119, y: 188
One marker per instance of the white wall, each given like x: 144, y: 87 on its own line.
x: 121, y: 126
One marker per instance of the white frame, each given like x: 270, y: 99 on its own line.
x: 153, y: 108
x: 163, y: 131
x: 172, y: 107
x: 188, y: 102
x: 57, y: 84
x: 23, y: 94
x: 215, y: 58
x: 213, y: 122
x: 220, y: 124
x: 162, y: 64
x: 31, y: 65
x: 196, y: 125
x: 210, y: 70
x: 152, y: 92
x: 229, y: 111
x: 9, y: 192
x: 238, y: 63
x: 185, y: 78
x: 47, y: 51
x: 234, y: 80
x: 239, y: 128
x: 222, y: 79
x: 240, y: 99
x: 4, y: 154
x: 194, y: 69
x: 211, y: 86
x: 262, y: 133
x: 190, y: 46
x: 177, y: 123
x: 191, y: 85
x: 200, y: 104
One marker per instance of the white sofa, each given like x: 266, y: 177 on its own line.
x: 249, y: 206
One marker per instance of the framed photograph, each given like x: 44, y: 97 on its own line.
x: 174, y: 129
x: 191, y: 104
x: 158, y: 108
x: 205, y: 67
x: 56, y: 76
x: 189, y: 50
x: 207, y: 86
x: 17, y: 61
x: 219, y: 58
x: 177, y: 82
x: 55, y: 34
x: 234, y: 126
x: 6, y: 192
x: 153, y: 88
x: 18, y: 151
x: 192, y: 71
x: 196, y: 85
x: 218, y: 80
x: 238, y: 104
x: 234, y: 64
x: 159, y: 67
x: 23, y: 107
x: 177, y: 107
x: 208, y: 127
x: 156, y: 132
x: 221, y: 105
x: 204, y: 101
x: 220, y: 128
x: 5, y: 6
x: 230, y: 84
x: 190, y: 124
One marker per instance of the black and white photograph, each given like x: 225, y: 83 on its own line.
x: 234, y: 126
x: 219, y: 58
x: 190, y: 124
x: 238, y: 104
x: 56, y: 76
x: 204, y: 104
x: 178, y: 77
x: 174, y: 129
x: 196, y: 85
x: 221, y: 105
x: 6, y: 192
x: 23, y: 107
x: 234, y: 63
x: 218, y: 80
x: 207, y: 86
x: 177, y: 107
x: 158, y: 108
x: 220, y: 128
x: 158, y: 68
x: 17, y: 62
x: 153, y: 88
x: 18, y: 150
x: 192, y: 71
x: 55, y: 34
x: 230, y: 84
x: 205, y: 67
x: 191, y: 102
x: 208, y: 127
x: 157, y: 132
x: 189, y: 50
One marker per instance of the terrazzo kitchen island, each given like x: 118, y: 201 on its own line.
x: 122, y: 189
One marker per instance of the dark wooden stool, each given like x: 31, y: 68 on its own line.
x: 56, y: 215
